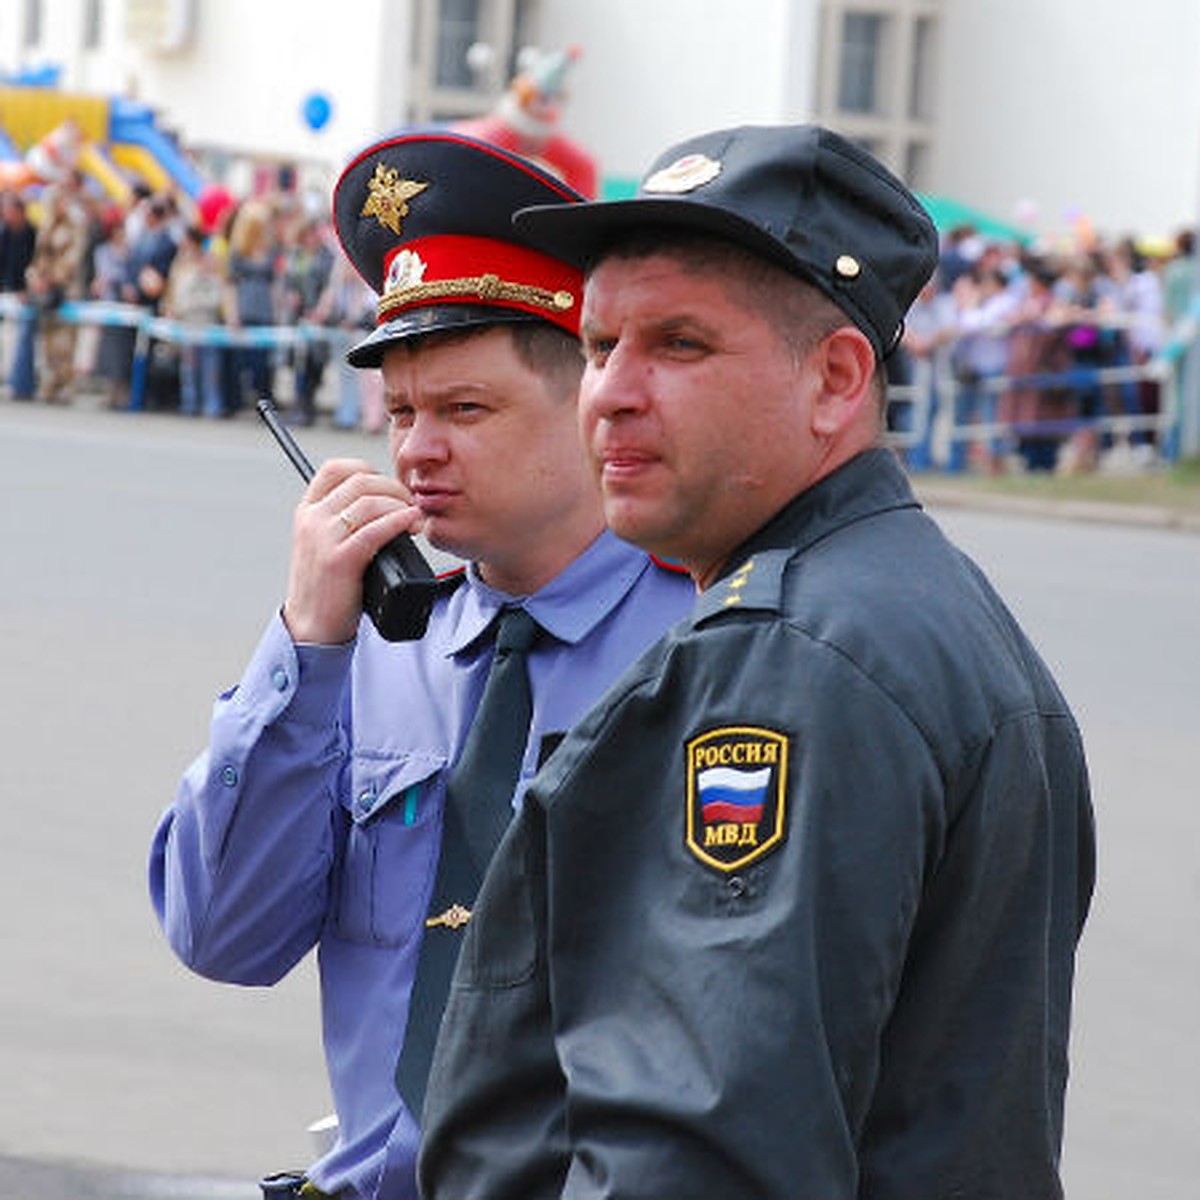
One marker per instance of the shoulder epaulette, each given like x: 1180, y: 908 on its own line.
x: 757, y: 584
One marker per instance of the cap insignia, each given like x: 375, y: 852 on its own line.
x: 406, y: 271
x: 389, y: 195
x: 683, y: 175
x: 847, y: 266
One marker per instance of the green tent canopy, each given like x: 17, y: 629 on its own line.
x: 614, y: 187
x: 948, y: 213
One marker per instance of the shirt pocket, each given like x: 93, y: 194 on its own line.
x: 394, y: 817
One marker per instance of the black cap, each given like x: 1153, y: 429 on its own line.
x: 799, y: 195
x: 425, y: 216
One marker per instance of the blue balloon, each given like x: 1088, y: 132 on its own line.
x: 317, y: 110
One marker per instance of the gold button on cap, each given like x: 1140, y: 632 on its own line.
x: 847, y: 266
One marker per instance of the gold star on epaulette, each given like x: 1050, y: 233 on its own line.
x: 389, y: 197
x: 733, y: 589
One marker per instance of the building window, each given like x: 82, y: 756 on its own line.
x: 93, y: 24
x: 859, y: 83
x: 458, y: 31
x: 463, y: 54
x: 917, y: 172
x: 525, y: 18
x: 32, y: 32
x: 923, y: 69
x: 877, y: 79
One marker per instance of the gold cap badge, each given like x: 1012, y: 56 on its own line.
x: 683, y: 175
x: 388, y: 197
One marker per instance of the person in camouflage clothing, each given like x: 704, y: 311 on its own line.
x: 55, y: 275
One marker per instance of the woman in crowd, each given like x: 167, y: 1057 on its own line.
x: 251, y: 296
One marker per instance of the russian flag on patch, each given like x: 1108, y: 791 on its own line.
x: 730, y: 795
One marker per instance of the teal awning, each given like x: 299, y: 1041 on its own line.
x: 947, y: 213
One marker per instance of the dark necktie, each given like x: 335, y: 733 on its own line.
x: 477, y: 811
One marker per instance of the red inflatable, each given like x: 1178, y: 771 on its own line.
x: 526, y: 121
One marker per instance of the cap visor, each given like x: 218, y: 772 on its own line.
x: 431, y: 318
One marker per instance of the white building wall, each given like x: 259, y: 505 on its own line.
x: 1059, y: 107
x: 1069, y: 107
x: 654, y: 72
x: 1048, y: 109
x: 244, y: 84
x: 241, y: 80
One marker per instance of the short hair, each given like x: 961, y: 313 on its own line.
x: 548, y: 351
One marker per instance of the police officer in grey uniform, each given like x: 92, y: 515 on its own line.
x: 793, y: 912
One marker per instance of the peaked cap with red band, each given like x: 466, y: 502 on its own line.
x: 425, y: 216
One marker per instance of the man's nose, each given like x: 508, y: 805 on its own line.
x: 618, y: 386
x: 423, y: 441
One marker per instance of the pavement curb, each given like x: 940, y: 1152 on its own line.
x: 1096, y: 512
x: 91, y: 415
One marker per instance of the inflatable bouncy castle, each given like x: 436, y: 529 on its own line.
x: 44, y: 133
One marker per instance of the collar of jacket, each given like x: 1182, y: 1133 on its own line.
x: 870, y: 483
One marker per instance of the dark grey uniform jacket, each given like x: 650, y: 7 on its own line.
x: 793, y: 913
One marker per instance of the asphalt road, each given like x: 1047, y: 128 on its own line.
x: 1116, y: 613
x: 142, y: 555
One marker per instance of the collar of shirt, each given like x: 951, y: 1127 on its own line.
x: 569, y: 607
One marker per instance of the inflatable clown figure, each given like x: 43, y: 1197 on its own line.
x: 47, y: 161
x: 526, y: 121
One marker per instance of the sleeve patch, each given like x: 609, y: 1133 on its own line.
x: 736, y: 795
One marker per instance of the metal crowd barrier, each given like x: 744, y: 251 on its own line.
x: 1176, y: 369
x: 913, y: 407
x: 150, y: 328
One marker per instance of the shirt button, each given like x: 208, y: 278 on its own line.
x: 366, y: 800
x: 229, y: 775
x: 279, y: 677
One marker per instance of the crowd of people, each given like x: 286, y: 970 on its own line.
x: 265, y: 260
x: 996, y: 320
x: 1011, y: 338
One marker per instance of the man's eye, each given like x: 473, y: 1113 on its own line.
x: 400, y: 418
x: 597, y: 350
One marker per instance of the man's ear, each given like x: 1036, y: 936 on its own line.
x: 846, y: 362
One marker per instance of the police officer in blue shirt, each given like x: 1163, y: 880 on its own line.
x: 315, y: 816
x: 792, y: 913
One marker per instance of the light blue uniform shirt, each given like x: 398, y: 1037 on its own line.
x: 314, y: 816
